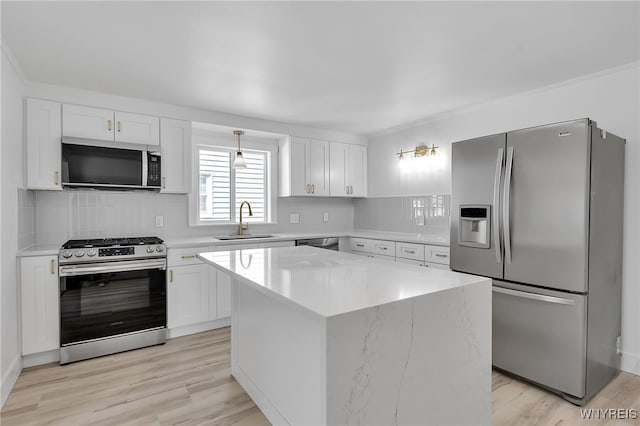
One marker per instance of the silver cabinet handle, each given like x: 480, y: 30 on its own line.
x: 307, y: 188
x: 109, y: 125
x: 496, y: 206
x: 506, y: 206
x: 119, y: 124
x: 441, y: 255
x: 191, y: 256
x: 382, y: 248
x: 359, y: 245
x: 313, y: 189
x: 56, y: 178
x: 533, y: 296
x: 351, y: 190
x: 171, y: 276
x: 409, y: 251
x: 52, y: 266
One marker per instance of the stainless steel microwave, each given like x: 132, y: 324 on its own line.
x: 86, y: 166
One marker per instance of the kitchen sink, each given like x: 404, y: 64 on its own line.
x: 242, y: 237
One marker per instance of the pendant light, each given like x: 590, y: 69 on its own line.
x: 238, y: 162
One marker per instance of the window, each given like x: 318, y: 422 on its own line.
x: 222, y: 189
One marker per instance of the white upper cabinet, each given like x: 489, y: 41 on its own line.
x: 43, y: 144
x: 175, y: 136
x: 357, y: 171
x: 348, y: 171
x: 103, y: 124
x: 87, y: 122
x: 304, y: 167
x: 136, y: 128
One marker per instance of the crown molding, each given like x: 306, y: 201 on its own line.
x: 12, y: 60
x: 456, y: 111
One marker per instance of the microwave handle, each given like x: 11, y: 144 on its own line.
x: 145, y: 167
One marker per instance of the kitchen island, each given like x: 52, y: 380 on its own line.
x: 323, y: 337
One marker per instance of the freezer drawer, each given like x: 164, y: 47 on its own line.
x: 540, y: 335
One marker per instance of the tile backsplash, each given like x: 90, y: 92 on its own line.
x: 26, y: 218
x: 77, y: 214
x: 424, y: 214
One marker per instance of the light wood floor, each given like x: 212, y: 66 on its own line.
x: 188, y: 381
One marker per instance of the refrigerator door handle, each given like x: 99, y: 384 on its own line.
x: 506, y: 206
x: 533, y: 296
x: 496, y: 206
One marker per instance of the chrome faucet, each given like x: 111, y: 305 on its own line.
x: 243, y: 226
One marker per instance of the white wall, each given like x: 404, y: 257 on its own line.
x: 12, y: 171
x: 611, y: 98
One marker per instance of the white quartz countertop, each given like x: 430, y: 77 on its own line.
x: 331, y: 283
x: 374, y: 235
x: 204, y: 241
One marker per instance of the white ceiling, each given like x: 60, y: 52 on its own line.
x: 358, y: 67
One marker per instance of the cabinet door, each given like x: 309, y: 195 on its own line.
x: 187, y: 295
x: 319, y: 167
x: 137, y: 128
x: 299, y: 158
x: 40, y: 304
x: 175, y: 146
x: 86, y: 122
x: 357, y: 171
x: 338, y: 185
x: 223, y: 296
x: 44, y: 130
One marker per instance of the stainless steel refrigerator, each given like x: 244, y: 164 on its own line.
x: 539, y: 210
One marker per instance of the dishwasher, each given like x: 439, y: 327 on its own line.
x: 325, y: 243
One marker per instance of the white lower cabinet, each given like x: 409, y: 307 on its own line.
x: 187, y: 295
x: 411, y: 253
x: 223, y: 300
x: 40, y: 302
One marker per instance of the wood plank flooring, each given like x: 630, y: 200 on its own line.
x: 188, y: 381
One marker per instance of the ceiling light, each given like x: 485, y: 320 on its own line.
x: 238, y: 162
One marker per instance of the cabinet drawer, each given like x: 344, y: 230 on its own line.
x: 437, y: 254
x: 410, y: 261
x: 386, y: 248
x: 410, y: 251
x: 184, y: 256
x: 360, y: 244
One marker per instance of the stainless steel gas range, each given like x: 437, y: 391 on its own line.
x: 112, y: 296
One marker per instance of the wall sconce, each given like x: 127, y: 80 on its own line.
x: 419, y: 151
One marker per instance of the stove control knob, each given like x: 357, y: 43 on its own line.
x: 67, y: 254
x: 159, y: 249
x: 91, y: 253
x: 79, y: 253
x: 149, y: 249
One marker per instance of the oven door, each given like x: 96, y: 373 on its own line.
x: 111, y: 298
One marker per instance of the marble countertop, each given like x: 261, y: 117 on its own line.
x: 331, y: 283
x: 363, y: 233
x: 203, y: 241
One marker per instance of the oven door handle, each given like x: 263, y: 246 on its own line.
x: 134, y: 265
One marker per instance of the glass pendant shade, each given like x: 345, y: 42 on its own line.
x: 238, y: 162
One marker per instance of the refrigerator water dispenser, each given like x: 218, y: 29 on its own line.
x: 474, y: 226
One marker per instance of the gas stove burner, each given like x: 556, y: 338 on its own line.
x: 111, y: 249
x: 107, y: 242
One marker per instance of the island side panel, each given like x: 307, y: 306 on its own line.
x: 278, y: 355
x: 425, y: 360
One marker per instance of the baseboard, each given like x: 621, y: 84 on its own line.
x: 630, y: 363
x: 10, y: 379
x: 198, y: 328
x: 41, y: 358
